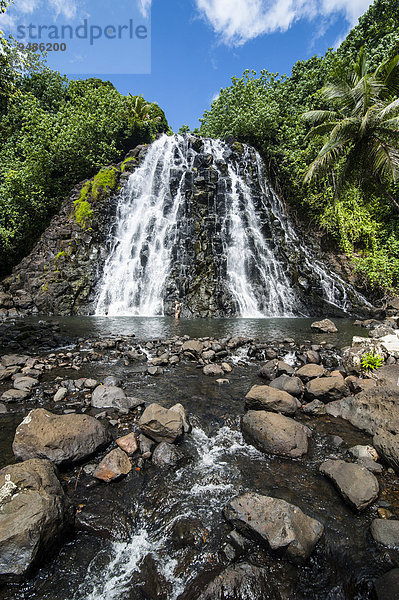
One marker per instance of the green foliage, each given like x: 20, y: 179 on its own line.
x: 371, y: 361
x: 105, y: 179
x: 184, y: 129
x: 53, y: 133
x: 127, y: 162
x: 265, y: 111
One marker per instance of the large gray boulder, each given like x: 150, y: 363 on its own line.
x: 166, y: 455
x: 61, y: 439
x: 110, y: 396
x: 292, y: 385
x: 263, y: 397
x: 275, y: 434
x: 326, y: 389
x: 356, y: 484
x: 34, y: 514
x: 310, y: 371
x: 385, y: 532
x: 161, y: 424
x: 281, y: 526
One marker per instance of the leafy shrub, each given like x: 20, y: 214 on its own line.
x: 371, y: 361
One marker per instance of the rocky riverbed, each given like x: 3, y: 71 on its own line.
x: 198, y: 468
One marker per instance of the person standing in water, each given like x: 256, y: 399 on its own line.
x: 177, y: 309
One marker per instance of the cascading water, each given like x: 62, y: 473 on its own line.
x: 198, y: 221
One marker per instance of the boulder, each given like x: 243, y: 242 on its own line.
x: 385, y: 532
x: 387, y: 586
x: 364, y: 452
x: 315, y: 408
x: 34, y: 515
x: 275, y: 434
x: 194, y: 347
x: 241, y: 581
x: 25, y: 383
x: 281, y: 526
x: 269, y: 370
x: 60, y: 394
x: 387, y: 445
x: 114, y: 465
x: 356, y: 484
x: 61, y: 439
x: 311, y: 371
x: 284, y: 368
x: 166, y: 455
x: 15, y: 395
x: 263, y: 397
x: 110, y: 396
x: 326, y: 389
x: 179, y: 408
x: 213, y: 370
x: 352, y: 356
x: 12, y: 360
x: 128, y: 443
x: 324, y: 326
x: 161, y: 424
x: 292, y: 385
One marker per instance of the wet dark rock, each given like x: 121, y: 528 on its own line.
x: 263, y: 397
x: 308, y: 372
x: 242, y: 581
x: 313, y: 357
x: 146, y: 444
x: 356, y: 484
x: 161, y: 424
x: 281, y: 526
x: 106, y: 519
x: 61, y: 439
x: 166, y: 455
x: 385, y: 532
x: 34, y: 515
x: 269, y: 370
x: 275, y: 434
x: 155, y: 584
x: 292, y: 385
x: 387, y: 445
x: 326, y: 389
x: 113, y: 466
x: 317, y: 408
x: 324, y: 326
x: 387, y: 586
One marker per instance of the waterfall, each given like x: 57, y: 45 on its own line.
x: 199, y: 221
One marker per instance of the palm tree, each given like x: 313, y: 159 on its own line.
x: 139, y: 109
x: 363, y: 130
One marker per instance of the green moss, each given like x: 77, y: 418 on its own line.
x: 127, y: 162
x: 238, y: 147
x: 45, y: 287
x: 106, y: 178
x: 59, y: 255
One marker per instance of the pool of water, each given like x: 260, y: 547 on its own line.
x: 146, y: 328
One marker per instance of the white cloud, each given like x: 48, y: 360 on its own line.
x: 145, y: 6
x: 237, y: 21
x: 65, y: 8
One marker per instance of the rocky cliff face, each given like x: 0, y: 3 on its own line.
x: 65, y: 271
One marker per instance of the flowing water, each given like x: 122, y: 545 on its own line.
x: 253, y: 241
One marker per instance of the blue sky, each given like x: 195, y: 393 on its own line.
x: 193, y: 47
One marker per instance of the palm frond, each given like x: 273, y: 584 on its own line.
x: 319, y: 116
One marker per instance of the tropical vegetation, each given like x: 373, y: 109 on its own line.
x: 336, y: 167
x: 53, y: 134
